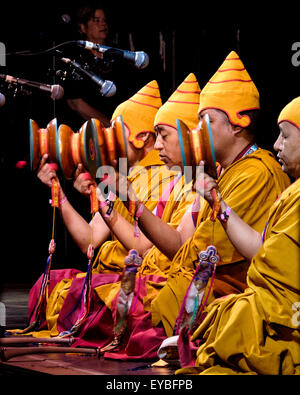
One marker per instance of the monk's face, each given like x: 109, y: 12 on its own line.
x: 288, y: 147
x: 167, y: 144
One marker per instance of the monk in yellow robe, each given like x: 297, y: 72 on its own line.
x: 258, y: 331
x: 149, y: 177
x: 183, y: 103
x: 249, y: 177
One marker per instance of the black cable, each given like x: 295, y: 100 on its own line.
x: 25, y: 53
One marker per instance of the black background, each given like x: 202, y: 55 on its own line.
x: 198, y: 37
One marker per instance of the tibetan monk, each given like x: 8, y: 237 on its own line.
x: 258, y: 331
x: 249, y: 178
x: 149, y: 177
x: 141, y: 340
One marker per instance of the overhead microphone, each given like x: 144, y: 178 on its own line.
x: 108, y: 88
x: 56, y: 91
x: 139, y: 58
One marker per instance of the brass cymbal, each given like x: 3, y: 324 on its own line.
x: 207, y: 147
x: 184, y: 143
x: 197, y: 145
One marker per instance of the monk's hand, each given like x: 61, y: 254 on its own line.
x: 99, y: 194
x: 83, y: 180
x: 204, y: 184
x: 47, y: 171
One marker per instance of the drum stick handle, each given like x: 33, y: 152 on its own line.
x: 216, y: 204
x: 15, y: 340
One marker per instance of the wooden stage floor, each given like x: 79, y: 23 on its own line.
x: 15, y: 299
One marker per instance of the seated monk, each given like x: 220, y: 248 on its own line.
x: 139, y: 339
x: 258, y: 331
x: 149, y: 177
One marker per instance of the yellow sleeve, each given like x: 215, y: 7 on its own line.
x: 274, y: 271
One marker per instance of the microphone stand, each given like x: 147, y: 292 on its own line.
x: 77, y: 66
x: 107, y: 88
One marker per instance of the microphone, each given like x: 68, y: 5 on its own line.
x: 139, y: 59
x: 56, y: 91
x: 108, y: 88
x: 2, y: 100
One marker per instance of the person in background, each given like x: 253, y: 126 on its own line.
x: 83, y: 99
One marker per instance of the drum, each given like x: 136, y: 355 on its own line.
x: 78, y: 147
x: 89, y: 147
x: 207, y: 147
x: 93, y: 146
x: 67, y: 143
x: 42, y: 141
x: 185, y: 144
x: 197, y: 144
x: 101, y: 135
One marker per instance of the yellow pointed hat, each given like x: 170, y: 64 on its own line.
x: 139, y: 111
x: 182, y: 104
x: 291, y: 113
x: 231, y: 90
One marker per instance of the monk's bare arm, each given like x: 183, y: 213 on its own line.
x: 245, y: 239
x: 154, y: 230
x: 78, y: 227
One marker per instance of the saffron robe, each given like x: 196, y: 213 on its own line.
x: 148, y: 179
x: 258, y: 331
x: 249, y: 186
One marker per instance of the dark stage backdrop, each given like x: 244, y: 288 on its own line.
x: 193, y: 38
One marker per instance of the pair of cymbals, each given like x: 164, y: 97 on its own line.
x: 92, y: 145
x: 197, y: 144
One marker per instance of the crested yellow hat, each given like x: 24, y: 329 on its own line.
x: 139, y: 111
x: 231, y: 90
x: 291, y: 113
x: 182, y: 104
